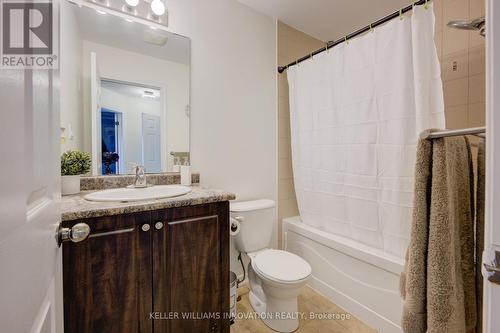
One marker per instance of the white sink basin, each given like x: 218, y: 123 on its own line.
x: 138, y: 194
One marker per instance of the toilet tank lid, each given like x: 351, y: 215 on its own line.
x: 246, y: 206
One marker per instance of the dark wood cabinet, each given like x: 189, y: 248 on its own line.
x: 158, y: 271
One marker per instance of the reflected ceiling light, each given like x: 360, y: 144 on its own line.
x: 129, y: 20
x: 158, y: 7
x: 148, y: 94
x: 132, y: 3
x: 101, y: 12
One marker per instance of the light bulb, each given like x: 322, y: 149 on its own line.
x: 132, y: 3
x: 158, y: 7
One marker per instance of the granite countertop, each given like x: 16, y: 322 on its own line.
x: 74, y: 207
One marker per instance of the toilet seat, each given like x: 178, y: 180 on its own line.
x: 281, y: 266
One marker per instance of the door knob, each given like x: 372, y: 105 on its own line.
x: 79, y: 232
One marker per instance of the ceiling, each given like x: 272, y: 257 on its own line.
x: 327, y: 19
x: 115, y: 31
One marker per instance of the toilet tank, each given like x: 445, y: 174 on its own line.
x: 256, y: 220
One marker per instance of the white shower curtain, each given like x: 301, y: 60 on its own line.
x: 356, y: 112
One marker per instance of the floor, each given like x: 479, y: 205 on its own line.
x: 309, y: 302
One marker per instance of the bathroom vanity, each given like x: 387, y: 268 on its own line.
x: 150, y: 266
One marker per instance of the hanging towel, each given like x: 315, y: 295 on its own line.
x: 438, y: 284
x: 480, y: 232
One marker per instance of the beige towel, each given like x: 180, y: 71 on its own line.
x: 480, y: 232
x: 438, y: 284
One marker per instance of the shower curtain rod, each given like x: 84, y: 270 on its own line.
x: 331, y: 44
x: 429, y: 134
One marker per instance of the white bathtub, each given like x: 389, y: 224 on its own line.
x: 356, y: 277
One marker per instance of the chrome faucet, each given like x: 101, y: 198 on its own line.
x: 140, y: 176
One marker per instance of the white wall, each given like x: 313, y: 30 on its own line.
x: 233, y: 95
x: 70, y: 78
x: 132, y: 108
x: 172, y: 78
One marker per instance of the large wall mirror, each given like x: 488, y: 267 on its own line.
x: 135, y: 90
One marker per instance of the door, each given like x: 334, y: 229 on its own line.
x: 95, y: 112
x: 108, y: 277
x: 191, y: 269
x: 110, y: 134
x: 151, y: 142
x: 30, y: 261
x: 491, y: 295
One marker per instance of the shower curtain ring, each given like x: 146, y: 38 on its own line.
x: 346, y: 41
x: 326, y: 48
x: 371, y: 28
x: 426, y: 6
x: 401, y: 14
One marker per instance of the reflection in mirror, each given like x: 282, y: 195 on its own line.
x: 124, y: 91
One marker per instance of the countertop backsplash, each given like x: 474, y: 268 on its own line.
x: 92, y: 183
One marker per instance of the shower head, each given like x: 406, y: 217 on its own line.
x: 477, y: 24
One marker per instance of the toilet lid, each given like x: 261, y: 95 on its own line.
x: 282, y: 265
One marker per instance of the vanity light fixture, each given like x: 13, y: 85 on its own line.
x: 132, y: 3
x: 150, y: 10
x: 158, y: 7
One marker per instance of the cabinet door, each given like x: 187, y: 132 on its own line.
x: 107, y: 278
x: 191, y: 269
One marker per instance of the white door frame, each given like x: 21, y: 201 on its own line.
x: 491, y: 295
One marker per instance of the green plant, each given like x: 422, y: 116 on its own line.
x: 75, y: 162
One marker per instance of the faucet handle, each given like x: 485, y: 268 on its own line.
x: 139, y: 169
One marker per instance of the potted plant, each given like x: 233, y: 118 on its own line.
x: 73, y: 164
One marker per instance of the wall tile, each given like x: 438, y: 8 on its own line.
x: 455, y: 66
x: 455, y: 92
x: 455, y: 10
x: 454, y: 41
x: 476, y: 115
x: 438, y: 41
x: 477, y: 60
x: 477, y: 8
x: 285, y: 168
x: 456, y: 116
x: 438, y: 13
x: 284, y: 148
x: 285, y: 189
x: 284, y: 128
x: 475, y: 39
x: 283, y: 107
x: 477, y: 88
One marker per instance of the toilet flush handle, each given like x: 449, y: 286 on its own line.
x: 234, y: 223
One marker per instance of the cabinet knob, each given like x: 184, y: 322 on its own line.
x: 158, y: 225
x: 145, y: 227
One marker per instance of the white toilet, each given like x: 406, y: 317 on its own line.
x: 276, y: 277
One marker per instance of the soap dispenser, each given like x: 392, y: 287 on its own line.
x: 186, y: 175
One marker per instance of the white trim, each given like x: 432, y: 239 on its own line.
x: 491, y: 293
